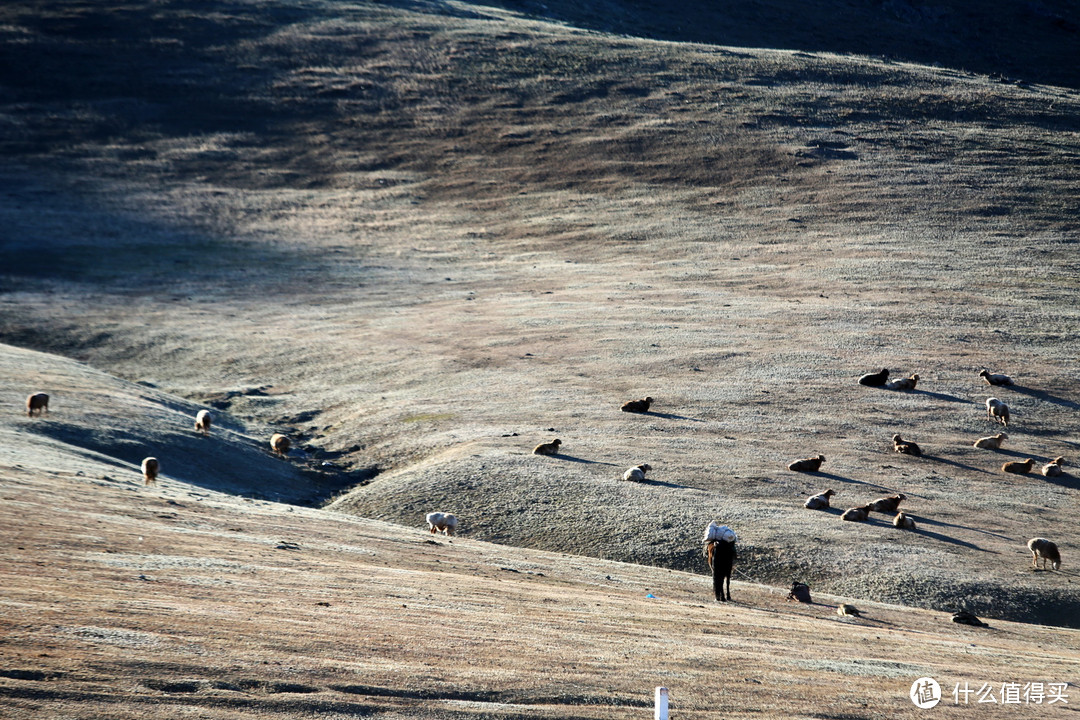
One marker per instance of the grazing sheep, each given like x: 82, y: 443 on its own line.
x: 907, y: 383
x: 905, y: 447
x: 719, y: 550
x: 859, y: 514
x: 38, y: 402
x: 1053, y: 469
x: 637, y: 473
x: 903, y: 521
x: 963, y: 617
x: 800, y: 592
x: 875, y: 379
x: 445, y: 522
x: 1018, y: 468
x: 888, y: 504
x: 202, y: 422
x: 846, y: 610
x: 549, y: 448
x: 807, y: 464
x: 1045, y: 549
x: 150, y: 469
x: 280, y: 444
x: 819, y: 502
x: 992, y: 379
x: 997, y: 411
x: 637, y: 406
x: 991, y: 443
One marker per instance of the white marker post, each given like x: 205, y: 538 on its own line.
x: 661, y: 704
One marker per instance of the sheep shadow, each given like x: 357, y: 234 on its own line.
x: 1065, y: 480
x: 1042, y: 395
x: 661, y: 483
x: 942, y: 523
x: 942, y: 537
x: 963, y: 466
x: 941, y: 396
x: 571, y: 458
x: 841, y: 478
x: 670, y: 416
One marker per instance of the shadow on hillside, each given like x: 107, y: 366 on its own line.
x: 671, y: 416
x: 944, y: 461
x: 1042, y: 395
x: 662, y: 483
x: 571, y: 458
x: 942, y: 537
x: 942, y: 523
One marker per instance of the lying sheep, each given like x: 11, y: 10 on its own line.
x: 637, y: 473
x: 991, y: 443
x: 905, y: 447
x: 202, y: 422
x: 150, y: 469
x: 807, y: 464
x: 859, y: 514
x: 846, y: 610
x: 819, y: 502
x: 1053, y: 469
x: 549, y: 448
x: 280, y: 444
x: 637, y: 406
x: 964, y: 617
x: 444, y: 522
x: 888, y: 504
x: 992, y: 379
x: 38, y: 402
x: 1045, y: 549
x: 1018, y: 468
x: 875, y: 379
x: 997, y: 411
x: 903, y: 521
x: 907, y: 383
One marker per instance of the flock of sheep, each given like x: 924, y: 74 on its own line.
x: 719, y: 540
x: 996, y: 411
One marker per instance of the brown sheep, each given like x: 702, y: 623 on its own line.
x: 905, y: 447
x: 997, y: 411
x: 1018, y: 468
x: 991, y: 443
x: 903, y: 521
x: 993, y: 379
x: 280, y: 444
x: 859, y: 514
x: 150, y: 469
x: 907, y: 383
x: 1045, y: 549
x: 807, y: 464
x: 38, y: 402
x: 1053, y: 469
x: 202, y: 422
x: 888, y: 504
x: 550, y: 448
x: 637, y: 406
x: 819, y: 502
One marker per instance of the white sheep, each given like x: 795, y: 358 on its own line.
x: 445, y: 522
x: 150, y: 469
x: 819, y: 502
x: 1053, y: 469
x: 997, y: 411
x: 202, y: 422
x: 991, y: 443
x: 907, y: 383
x: 860, y: 514
x: 280, y: 444
x: 903, y: 521
x: 637, y: 473
x: 38, y: 402
x: 994, y: 379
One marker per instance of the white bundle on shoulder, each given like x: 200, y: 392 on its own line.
x: 716, y: 532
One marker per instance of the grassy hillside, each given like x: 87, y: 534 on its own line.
x: 423, y: 238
